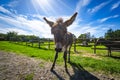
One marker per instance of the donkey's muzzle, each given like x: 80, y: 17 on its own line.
x: 58, y: 49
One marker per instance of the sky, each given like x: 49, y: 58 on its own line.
x: 26, y: 16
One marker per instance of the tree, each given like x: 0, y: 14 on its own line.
x: 12, y: 35
x: 110, y: 34
x: 85, y: 38
x: 117, y: 34
x: 2, y: 36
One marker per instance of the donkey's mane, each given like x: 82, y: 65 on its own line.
x: 59, y: 20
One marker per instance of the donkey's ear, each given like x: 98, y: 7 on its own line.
x: 70, y: 21
x: 50, y: 23
x: 44, y: 18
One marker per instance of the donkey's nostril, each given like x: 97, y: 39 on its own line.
x: 58, y: 49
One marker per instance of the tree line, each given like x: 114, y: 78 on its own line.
x: 12, y: 35
x: 110, y: 34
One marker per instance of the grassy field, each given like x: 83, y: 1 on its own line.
x: 85, y: 57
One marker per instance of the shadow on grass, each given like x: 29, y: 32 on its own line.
x: 86, y: 45
x: 79, y: 73
x: 115, y: 57
x: 57, y: 75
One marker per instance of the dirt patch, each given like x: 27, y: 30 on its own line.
x: 19, y: 67
x: 92, y: 56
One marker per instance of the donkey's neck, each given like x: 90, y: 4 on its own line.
x: 68, y: 38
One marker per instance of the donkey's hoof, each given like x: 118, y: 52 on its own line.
x: 51, y: 69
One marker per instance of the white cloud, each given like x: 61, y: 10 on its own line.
x: 78, y: 29
x: 20, y: 31
x: 2, y: 9
x: 22, y: 24
x: 105, y: 19
x: 114, y: 6
x: 36, y: 27
x: 8, y: 12
x: 98, y: 7
x: 80, y: 4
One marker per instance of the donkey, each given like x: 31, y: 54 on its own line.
x: 63, y: 39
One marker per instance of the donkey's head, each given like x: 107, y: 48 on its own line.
x: 59, y: 30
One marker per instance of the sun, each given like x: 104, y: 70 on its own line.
x: 46, y: 6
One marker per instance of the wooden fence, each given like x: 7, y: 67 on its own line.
x: 49, y: 44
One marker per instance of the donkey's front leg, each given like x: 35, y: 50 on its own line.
x: 56, y: 56
x: 65, y: 59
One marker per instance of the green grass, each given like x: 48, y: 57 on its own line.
x: 42, y: 53
x: 104, y: 64
x: 29, y: 76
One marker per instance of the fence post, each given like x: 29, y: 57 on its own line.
x: 109, y: 51
x: 32, y: 43
x: 49, y: 43
x: 26, y: 43
x: 39, y: 44
x: 74, y: 45
x: 95, y: 40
